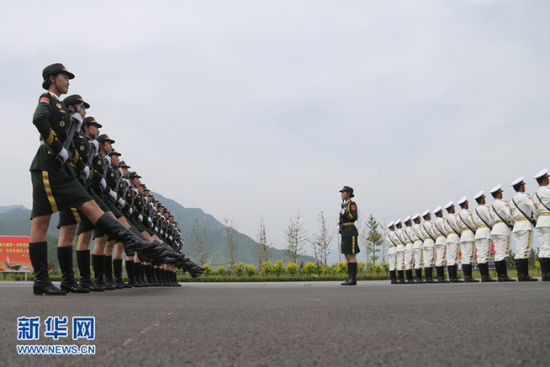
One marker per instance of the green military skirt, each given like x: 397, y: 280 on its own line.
x: 349, y: 244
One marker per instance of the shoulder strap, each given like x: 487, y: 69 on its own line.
x: 483, y: 220
x: 463, y: 221
x: 541, y: 201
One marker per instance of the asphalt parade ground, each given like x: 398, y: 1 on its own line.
x: 295, y: 324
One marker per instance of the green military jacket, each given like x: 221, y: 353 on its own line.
x: 348, y: 216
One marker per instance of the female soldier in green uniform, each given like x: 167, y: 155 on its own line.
x: 349, y: 245
x: 54, y: 185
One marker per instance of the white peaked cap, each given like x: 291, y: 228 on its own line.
x: 479, y: 194
x: 425, y: 212
x: 438, y: 209
x: 541, y: 173
x: 416, y: 216
x: 462, y: 200
x: 390, y: 224
x: 398, y: 221
x: 407, y: 219
x: 517, y: 181
x: 495, y: 189
x: 449, y: 204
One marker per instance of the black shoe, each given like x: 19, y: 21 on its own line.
x: 523, y: 271
x: 440, y: 273
x: 38, y: 253
x: 393, y: 277
x: 175, y: 276
x: 85, y: 281
x: 108, y: 268
x: 352, y: 268
x: 349, y: 277
x: 467, y: 270
x: 98, y: 264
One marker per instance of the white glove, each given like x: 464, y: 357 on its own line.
x: 96, y: 145
x: 120, y: 171
x: 122, y: 202
x: 150, y: 220
x: 113, y: 194
x: 131, y: 210
x: 63, y: 155
x: 78, y: 122
x: 140, y: 217
x: 108, y: 158
x: 86, y: 171
x: 171, y: 238
x: 156, y: 229
x: 103, y: 184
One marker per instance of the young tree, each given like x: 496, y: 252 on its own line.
x: 373, y: 239
x: 199, y: 242
x: 296, y: 237
x: 229, y: 233
x: 264, y: 251
x: 322, y: 241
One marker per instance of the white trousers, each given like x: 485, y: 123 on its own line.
x: 408, y: 256
x: 467, y: 249
x: 417, y: 251
x: 523, y: 243
x: 440, y: 255
x: 428, y: 255
x: 400, y: 257
x: 502, y: 246
x: 452, y: 253
x: 392, y: 254
x: 544, y: 241
x: 483, y: 250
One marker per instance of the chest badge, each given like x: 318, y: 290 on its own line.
x: 58, y: 105
x: 62, y: 123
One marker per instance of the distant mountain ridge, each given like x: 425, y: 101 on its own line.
x: 15, y: 220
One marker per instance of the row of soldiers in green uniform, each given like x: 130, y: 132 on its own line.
x: 76, y: 169
x: 419, y: 242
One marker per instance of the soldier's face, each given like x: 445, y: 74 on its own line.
x: 134, y: 181
x: 107, y: 146
x: 114, y: 160
x: 125, y: 172
x: 482, y: 200
x: 93, y: 131
x: 428, y: 217
x: 345, y: 195
x: 60, y: 82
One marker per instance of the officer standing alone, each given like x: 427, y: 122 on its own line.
x: 348, y: 231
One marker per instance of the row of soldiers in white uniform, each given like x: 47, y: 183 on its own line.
x: 416, y: 242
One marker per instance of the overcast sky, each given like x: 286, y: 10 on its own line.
x: 254, y: 108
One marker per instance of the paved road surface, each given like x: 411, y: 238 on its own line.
x: 297, y: 324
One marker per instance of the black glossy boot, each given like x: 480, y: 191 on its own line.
x: 502, y: 272
x: 409, y: 274
x: 418, y: 276
x: 428, y: 274
x: 484, y: 271
x: 440, y: 273
x: 352, y: 268
x: 349, y: 276
x: 117, y: 274
x: 545, y: 268
x: 523, y: 271
x: 453, y: 277
x: 85, y: 281
x: 467, y: 270
x: 176, y: 283
x: 130, y: 273
x: 65, y: 258
x: 108, y: 271
x: 401, y: 276
x: 98, y: 263
x: 393, y: 277
x: 138, y: 275
x: 38, y: 253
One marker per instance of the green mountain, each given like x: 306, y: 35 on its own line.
x: 14, y: 220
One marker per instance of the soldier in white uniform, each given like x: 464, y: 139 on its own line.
x: 400, y: 252
x: 523, y: 210
x: 454, y: 231
x: 392, y: 258
x: 417, y: 248
x: 542, y: 205
x: 482, y: 219
x: 467, y: 239
x: 429, y: 234
x: 501, y: 232
x: 440, y: 246
x: 409, y: 258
